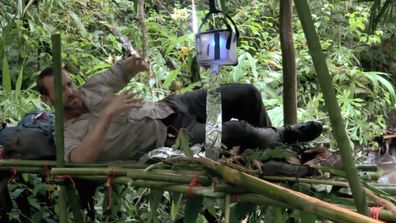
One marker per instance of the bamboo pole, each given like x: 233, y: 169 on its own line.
x: 295, y: 199
x: 262, y: 200
x: 59, y: 140
x: 57, y: 66
x: 331, y: 103
x: 185, y: 177
x: 51, y: 163
x: 175, y: 187
x: 288, y: 62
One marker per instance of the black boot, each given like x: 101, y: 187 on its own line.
x: 302, y: 132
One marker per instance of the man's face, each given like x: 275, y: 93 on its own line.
x: 71, y: 96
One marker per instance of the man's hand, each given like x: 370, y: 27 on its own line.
x: 134, y: 65
x: 91, y: 146
x: 123, y: 102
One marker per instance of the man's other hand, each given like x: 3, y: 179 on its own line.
x: 134, y: 65
x: 123, y: 102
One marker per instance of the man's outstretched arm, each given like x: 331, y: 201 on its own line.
x: 91, y: 146
x: 119, y: 74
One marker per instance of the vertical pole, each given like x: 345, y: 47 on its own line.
x: 57, y: 66
x: 288, y: 62
x: 331, y: 103
x: 227, y: 208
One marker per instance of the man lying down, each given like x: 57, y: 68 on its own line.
x: 102, y: 124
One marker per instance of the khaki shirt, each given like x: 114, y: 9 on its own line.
x: 131, y: 134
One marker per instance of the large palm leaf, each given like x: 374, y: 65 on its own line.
x: 381, y: 11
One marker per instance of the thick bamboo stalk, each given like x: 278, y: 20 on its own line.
x: 62, y: 204
x: 288, y: 62
x: 50, y: 163
x: 38, y: 170
x: 331, y: 104
x: 175, y: 187
x: 57, y: 66
x: 262, y: 200
x: 295, y: 199
x: 367, y: 167
x: 135, y: 174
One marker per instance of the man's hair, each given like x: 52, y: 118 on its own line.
x: 47, y: 72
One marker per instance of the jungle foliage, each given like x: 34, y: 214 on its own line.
x: 366, y: 96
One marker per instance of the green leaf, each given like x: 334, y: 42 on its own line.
x: 6, y: 74
x: 155, y: 199
x: 185, y: 142
x: 172, y: 76
x: 176, y: 198
x: 307, y: 218
x: 18, y: 84
x: 193, y: 207
x: 240, y: 210
x: 274, y: 215
x: 278, y: 153
x: 80, y: 25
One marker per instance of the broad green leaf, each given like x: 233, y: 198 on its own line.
x: 274, y: 215
x: 18, y: 84
x: 193, y: 207
x: 240, y: 210
x: 278, y: 153
x: 172, y: 76
x: 176, y: 198
x: 79, y: 23
x: 155, y: 199
x: 307, y: 218
x: 6, y: 74
x: 185, y: 142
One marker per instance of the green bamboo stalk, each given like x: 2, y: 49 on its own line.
x: 169, y: 186
x: 38, y: 170
x: 331, y: 103
x: 59, y: 140
x: 135, y: 174
x: 295, y: 199
x: 306, y: 180
x: 62, y: 204
x: 227, y: 202
x: 50, y: 163
x: 367, y: 167
x: 262, y: 200
x: 288, y: 62
x: 391, y: 189
x: 57, y: 66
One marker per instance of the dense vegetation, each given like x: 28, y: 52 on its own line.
x: 362, y: 63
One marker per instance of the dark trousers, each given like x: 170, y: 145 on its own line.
x: 239, y: 101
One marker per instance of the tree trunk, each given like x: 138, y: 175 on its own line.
x: 288, y: 62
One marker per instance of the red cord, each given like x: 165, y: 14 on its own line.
x: 111, y: 174
x: 375, y: 211
x: 109, y: 191
x: 192, y: 184
x: 68, y: 177
x: 46, y: 172
x: 14, y: 173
